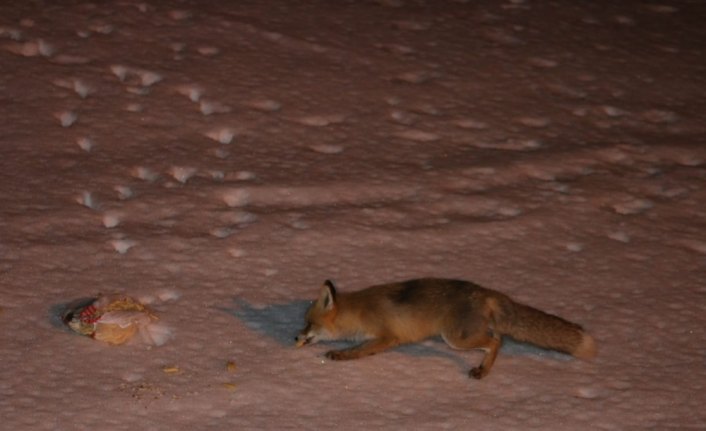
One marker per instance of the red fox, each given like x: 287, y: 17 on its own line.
x: 465, y: 315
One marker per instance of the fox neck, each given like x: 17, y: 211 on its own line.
x: 349, y: 320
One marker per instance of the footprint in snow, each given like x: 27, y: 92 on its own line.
x: 66, y: 118
x: 145, y: 174
x: 417, y: 135
x: 77, y: 85
x: 469, y: 123
x: 327, y: 148
x: 193, y: 91
x: 122, y: 245
x: 68, y: 60
x: 182, y: 173
x: 208, y: 51
x: 543, y: 63
x: 633, y: 206
x: 86, y: 144
x: 210, y: 107
x: 223, y: 135
x: 265, y: 105
x: 87, y: 199
x: 179, y: 14
x: 320, y: 120
x: 534, y: 122
x: 234, y: 198
x: 124, y: 192
x: 135, y: 76
x: 34, y: 48
x: 10, y: 33
x: 416, y: 77
x: 111, y: 219
x: 510, y: 145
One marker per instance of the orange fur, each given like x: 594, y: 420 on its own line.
x: 465, y: 315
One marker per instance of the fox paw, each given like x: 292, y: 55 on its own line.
x: 337, y: 355
x: 477, y: 373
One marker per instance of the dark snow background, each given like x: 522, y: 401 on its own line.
x: 219, y: 160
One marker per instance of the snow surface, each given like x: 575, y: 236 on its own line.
x: 219, y: 160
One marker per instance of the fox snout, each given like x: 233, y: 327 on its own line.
x: 303, y: 340
x: 304, y: 337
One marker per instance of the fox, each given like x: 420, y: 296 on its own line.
x: 465, y: 315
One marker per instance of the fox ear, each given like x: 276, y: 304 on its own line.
x: 327, y: 297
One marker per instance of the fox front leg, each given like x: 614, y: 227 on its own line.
x: 367, y: 348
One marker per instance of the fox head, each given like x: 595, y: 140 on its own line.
x: 320, y: 317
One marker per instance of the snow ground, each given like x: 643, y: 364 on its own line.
x: 221, y: 159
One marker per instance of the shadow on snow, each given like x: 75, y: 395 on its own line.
x: 282, y: 322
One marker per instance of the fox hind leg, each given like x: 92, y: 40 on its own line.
x: 492, y: 346
x: 476, y: 335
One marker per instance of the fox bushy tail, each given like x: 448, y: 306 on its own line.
x: 528, y: 324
